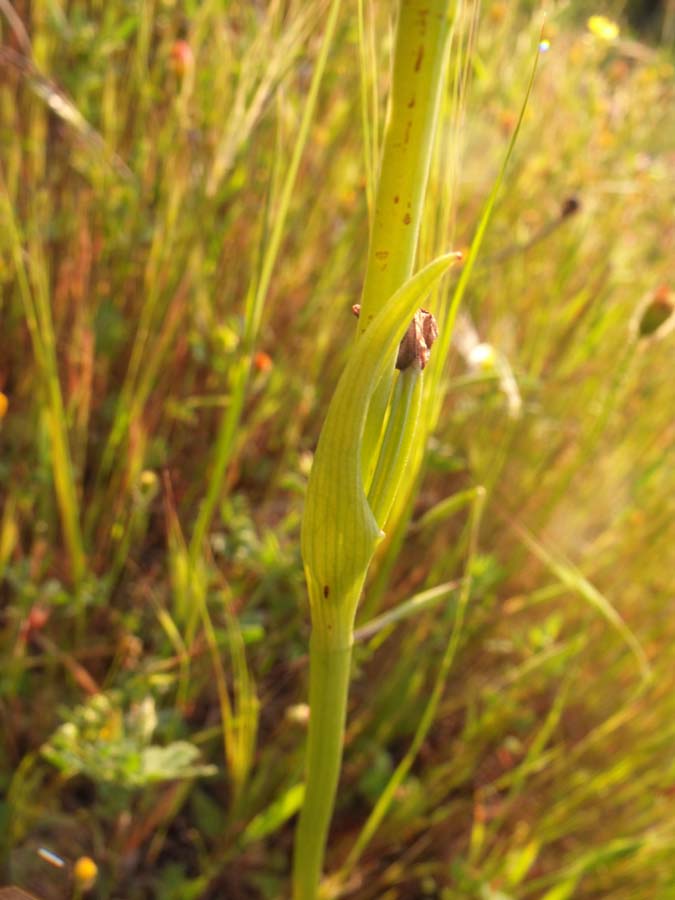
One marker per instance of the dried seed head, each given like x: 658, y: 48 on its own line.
x: 570, y: 206
x: 655, y: 316
x: 182, y: 58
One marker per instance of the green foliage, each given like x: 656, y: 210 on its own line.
x: 115, y: 749
x: 186, y: 198
x: 340, y: 531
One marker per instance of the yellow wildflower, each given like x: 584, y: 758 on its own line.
x: 603, y: 28
x: 85, y: 873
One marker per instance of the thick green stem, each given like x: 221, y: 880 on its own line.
x: 328, y: 688
x: 340, y: 530
x: 420, y: 61
x: 420, y: 64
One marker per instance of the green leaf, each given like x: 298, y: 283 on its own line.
x: 562, y: 891
x: 177, y: 760
x: 339, y: 530
x: 274, y: 816
x: 520, y: 861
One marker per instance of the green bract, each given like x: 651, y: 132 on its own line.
x: 340, y: 531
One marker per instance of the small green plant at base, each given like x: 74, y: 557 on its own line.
x: 115, y: 749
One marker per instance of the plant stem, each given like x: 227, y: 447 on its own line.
x: 328, y: 689
x: 420, y: 62
x: 419, y: 74
x: 405, y: 403
x: 429, y: 713
x: 37, y: 310
x: 338, y: 537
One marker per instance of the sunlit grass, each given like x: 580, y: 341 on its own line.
x: 162, y: 226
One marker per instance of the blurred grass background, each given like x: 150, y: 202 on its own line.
x: 158, y: 727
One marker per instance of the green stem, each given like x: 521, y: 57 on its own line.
x: 386, y: 798
x: 398, y: 437
x: 420, y: 63
x: 340, y: 530
x: 37, y: 310
x: 328, y: 689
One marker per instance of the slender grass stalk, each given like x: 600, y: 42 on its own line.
x: 256, y: 83
x: 239, y: 728
x: 573, y: 578
x: 130, y: 401
x: 238, y: 701
x: 429, y: 713
x: 255, y: 300
x: 408, y: 609
x: 272, y: 53
x: 41, y: 328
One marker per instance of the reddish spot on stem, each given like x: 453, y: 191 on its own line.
x: 382, y: 255
x: 411, y: 103
x: 420, y: 57
x: 406, y: 219
x: 396, y: 199
x: 326, y: 591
